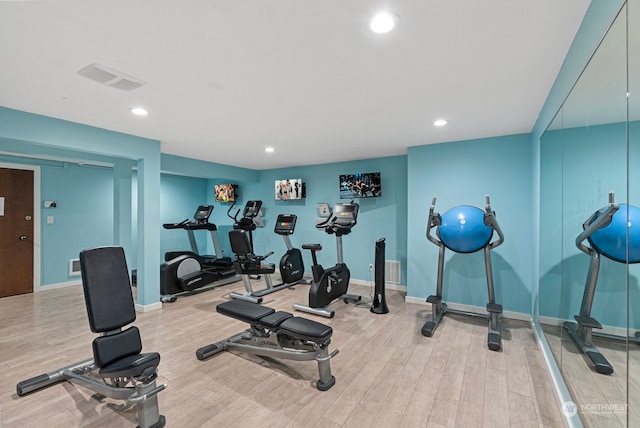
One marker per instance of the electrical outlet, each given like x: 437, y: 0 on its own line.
x: 370, y: 267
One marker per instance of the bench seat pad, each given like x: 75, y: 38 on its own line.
x: 131, y: 366
x: 264, y: 268
x: 274, y: 320
x: 306, y: 329
x: 244, y: 311
x: 281, y: 322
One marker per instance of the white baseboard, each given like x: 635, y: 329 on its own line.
x: 606, y: 329
x: 139, y: 308
x: 388, y: 286
x: 148, y: 308
x: 471, y: 309
x: 550, y: 321
x: 57, y: 286
x: 416, y: 300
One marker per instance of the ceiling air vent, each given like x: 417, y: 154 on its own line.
x: 110, y: 77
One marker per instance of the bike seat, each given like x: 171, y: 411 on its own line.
x: 312, y: 247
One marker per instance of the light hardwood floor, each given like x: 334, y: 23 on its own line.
x: 601, y: 399
x: 387, y: 373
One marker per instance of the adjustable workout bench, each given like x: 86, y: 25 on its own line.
x: 117, y: 360
x: 278, y: 335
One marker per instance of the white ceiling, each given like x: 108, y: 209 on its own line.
x: 226, y: 78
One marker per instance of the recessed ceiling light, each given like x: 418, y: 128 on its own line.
x: 138, y: 111
x: 269, y: 149
x: 383, y: 22
x: 440, y: 122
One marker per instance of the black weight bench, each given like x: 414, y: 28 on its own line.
x: 117, y: 359
x: 278, y: 335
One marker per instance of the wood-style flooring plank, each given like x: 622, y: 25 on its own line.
x: 387, y: 373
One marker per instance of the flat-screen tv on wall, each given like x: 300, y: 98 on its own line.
x: 292, y: 188
x: 225, y: 192
x: 360, y: 185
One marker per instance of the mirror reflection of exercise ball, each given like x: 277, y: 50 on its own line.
x: 611, y: 241
x: 463, y: 230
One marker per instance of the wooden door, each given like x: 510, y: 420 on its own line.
x: 16, y: 231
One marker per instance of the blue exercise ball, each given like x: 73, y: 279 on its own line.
x: 463, y: 230
x: 611, y: 241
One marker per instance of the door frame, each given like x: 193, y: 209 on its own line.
x: 37, y: 248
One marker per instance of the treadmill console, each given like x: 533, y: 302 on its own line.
x: 285, y: 224
x: 202, y: 214
x: 345, y: 214
x: 252, y: 209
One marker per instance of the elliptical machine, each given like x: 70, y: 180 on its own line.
x: 188, y: 272
x: 250, y: 218
x: 331, y: 284
x: 200, y: 221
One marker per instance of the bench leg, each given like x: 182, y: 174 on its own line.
x: 270, y: 346
x: 35, y: 383
x: 327, y: 380
x: 148, y: 412
x: 143, y: 395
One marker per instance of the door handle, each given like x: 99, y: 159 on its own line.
x: 23, y: 237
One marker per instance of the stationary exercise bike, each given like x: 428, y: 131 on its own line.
x: 331, y: 284
x: 291, y: 264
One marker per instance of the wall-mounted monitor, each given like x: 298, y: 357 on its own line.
x: 360, y: 185
x: 292, y: 188
x: 225, y: 192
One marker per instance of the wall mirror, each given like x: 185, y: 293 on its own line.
x: 589, y: 275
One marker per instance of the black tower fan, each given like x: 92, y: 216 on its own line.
x: 379, y: 305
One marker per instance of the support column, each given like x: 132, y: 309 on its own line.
x: 148, y: 231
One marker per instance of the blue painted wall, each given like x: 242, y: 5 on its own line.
x: 577, y: 177
x: 85, y: 213
x: 25, y: 133
x: 428, y: 170
x: 461, y: 173
x: 179, y: 198
x: 246, y: 190
x: 634, y: 199
x: 379, y: 217
x: 212, y: 173
x: 383, y: 217
x: 599, y: 16
x: 83, y: 217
